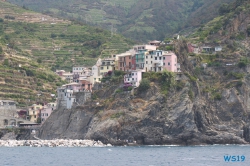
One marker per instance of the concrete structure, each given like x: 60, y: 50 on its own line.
x: 8, y: 113
x: 144, y: 47
x: 8, y: 108
x: 66, y: 94
x: 60, y: 72
x: 133, y: 77
x: 155, y: 43
x: 47, y: 110
x: 218, y: 48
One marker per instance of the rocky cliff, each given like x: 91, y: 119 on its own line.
x: 203, y: 107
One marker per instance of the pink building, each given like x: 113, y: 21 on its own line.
x: 133, y: 77
x: 170, y: 61
x: 76, y: 87
x: 47, y: 110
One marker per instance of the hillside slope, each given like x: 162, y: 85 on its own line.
x: 205, y: 105
x: 140, y: 20
x: 33, y: 45
x: 56, y: 43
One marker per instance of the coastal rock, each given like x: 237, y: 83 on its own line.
x: 52, y: 143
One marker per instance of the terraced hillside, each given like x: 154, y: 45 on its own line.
x: 53, y: 42
x: 140, y: 20
x: 26, y: 81
x: 32, y: 45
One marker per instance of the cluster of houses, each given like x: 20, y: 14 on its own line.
x: 205, y: 48
x: 141, y: 58
x: 33, y: 115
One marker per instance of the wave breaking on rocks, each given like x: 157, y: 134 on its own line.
x: 52, y: 143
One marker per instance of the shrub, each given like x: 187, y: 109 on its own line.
x: 217, y: 96
x: 191, y: 94
x: 130, y: 88
x: 6, y: 62
x: 118, y: 91
x: 144, y: 85
x: 119, y: 73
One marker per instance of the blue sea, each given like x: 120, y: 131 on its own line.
x: 126, y: 156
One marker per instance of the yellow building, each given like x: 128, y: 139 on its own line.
x: 107, y: 65
x: 34, y: 112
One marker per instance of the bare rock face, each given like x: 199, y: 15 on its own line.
x: 152, y: 120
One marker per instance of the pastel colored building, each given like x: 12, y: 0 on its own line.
x: 133, y: 77
x: 80, y: 73
x: 95, y: 75
x: 76, y: 87
x: 47, y: 110
x: 140, y: 59
x: 34, y: 112
x: 170, y: 61
x: 86, y: 85
x: 68, y: 77
x: 125, y: 62
x: 107, y: 65
x: 154, y: 61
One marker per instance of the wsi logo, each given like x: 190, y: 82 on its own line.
x: 234, y: 158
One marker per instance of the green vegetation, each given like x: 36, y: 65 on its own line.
x: 165, y: 78
x: 59, y: 45
x: 117, y: 115
x: 144, y: 85
x: 138, y: 19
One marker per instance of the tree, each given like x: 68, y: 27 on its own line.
x: 224, y: 8
x: 39, y: 60
x: 144, y: 85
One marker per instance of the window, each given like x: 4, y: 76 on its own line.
x: 155, y: 58
x: 163, y: 64
x: 128, y: 79
x: 35, y: 116
x: 151, y: 56
x: 151, y: 62
x: 168, y: 63
x: 132, y: 74
x: 107, y: 67
x: 164, y: 58
x: 146, y: 57
x: 132, y: 79
x: 101, y: 68
x: 94, y: 78
x: 99, y: 79
x: 146, y: 62
x: 160, y: 58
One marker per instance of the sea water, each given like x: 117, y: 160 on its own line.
x: 126, y: 156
